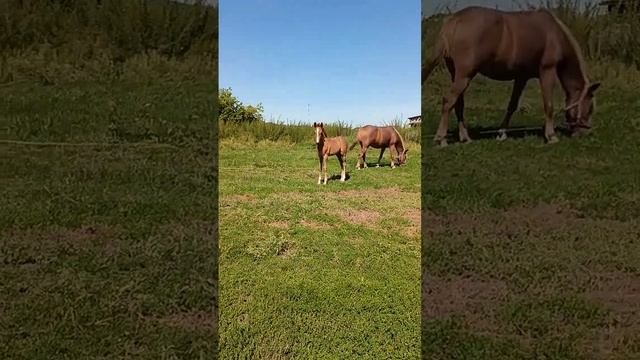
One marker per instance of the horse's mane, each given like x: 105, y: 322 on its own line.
x: 401, y: 139
x: 576, y: 47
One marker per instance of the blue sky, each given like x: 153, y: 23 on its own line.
x: 356, y: 61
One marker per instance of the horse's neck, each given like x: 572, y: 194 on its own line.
x: 572, y: 75
x: 572, y: 79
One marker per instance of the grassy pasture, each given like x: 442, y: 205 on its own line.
x: 317, y: 271
x: 106, y: 250
x: 533, y: 250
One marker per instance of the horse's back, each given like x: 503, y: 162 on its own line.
x: 376, y: 136
x: 500, y: 44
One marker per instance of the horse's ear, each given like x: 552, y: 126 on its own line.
x: 406, y: 151
x: 593, y: 87
x: 321, y: 125
x: 314, y: 124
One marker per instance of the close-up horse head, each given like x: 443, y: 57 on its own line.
x: 579, y: 112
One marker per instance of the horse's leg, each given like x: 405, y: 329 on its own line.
x: 463, y: 135
x: 342, y: 160
x: 547, y: 80
x: 320, y: 171
x: 380, y: 157
x: 364, y: 156
x: 359, y: 156
x: 518, y: 87
x: 324, y: 167
x: 459, y: 85
x: 393, y: 165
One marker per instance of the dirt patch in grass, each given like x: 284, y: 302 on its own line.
x: 366, y: 218
x: 240, y: 198
x: 286, y: 249
x: 541, y: 219
x: 469, y: 297
x: 371, y: 194
x: 620, y: 294
x: 279, y: 224
x: 27, y: 248
x: 191, y: 320
x: 314, y: 225
x: 413, y: 215
x: 554, y: 229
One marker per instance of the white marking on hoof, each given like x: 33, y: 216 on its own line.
x: 502, y: 135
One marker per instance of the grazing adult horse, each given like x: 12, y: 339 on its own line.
x: 327, y: 147
x: 512, y: 46
x: 380, y: 138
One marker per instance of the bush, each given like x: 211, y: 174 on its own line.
x: 232, y: 110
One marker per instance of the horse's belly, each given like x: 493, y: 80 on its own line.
x: 507, y: 69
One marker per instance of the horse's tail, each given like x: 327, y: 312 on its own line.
x: 438, y: 52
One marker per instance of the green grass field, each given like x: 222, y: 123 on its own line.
x: 313, y: 271
x: 533, y: 250
x: 107, y: 251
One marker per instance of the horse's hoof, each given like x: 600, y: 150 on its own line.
x: 502, y: 136
x: 464, y: 137
x: 442, y: 143
x: 552, y: 139
x: 378, y: 165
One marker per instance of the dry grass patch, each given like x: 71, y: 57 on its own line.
x: 370, y: 194
x: 542, y: 219
x: 413, y: 216
x: 620, y: 294
x: 190, y: 320
x: 31, y: 247
x: 469, y: 297
x: 240, y: 198
x: 366, y: 218
x: 279, y: 224
x: 314, y: 225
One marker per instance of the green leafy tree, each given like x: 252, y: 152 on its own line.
x: 233, y: 110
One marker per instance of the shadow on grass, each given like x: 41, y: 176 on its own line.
x: 337, y: 177
x: 491, y: 132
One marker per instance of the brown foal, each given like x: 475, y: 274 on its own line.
x: 328, y: 146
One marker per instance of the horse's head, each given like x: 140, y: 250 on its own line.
x: 402, y: 157
x: 319, y: 131
x: 578, y: 114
